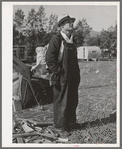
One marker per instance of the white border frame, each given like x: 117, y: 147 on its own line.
x: 7, y: 17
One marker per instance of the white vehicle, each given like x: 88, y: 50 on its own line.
x: 89, y: 52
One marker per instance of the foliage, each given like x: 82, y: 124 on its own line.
x: 41, y: 15
x: 52, y: 27
x: 18, y: 21
x: 36, y: 30
x: 82, y: 32
x: 19, y: 18
x: 52, y: 24
x: 93, y: 41
x: 108, y: 39
x: 30, y: 30
x: 15, y: 35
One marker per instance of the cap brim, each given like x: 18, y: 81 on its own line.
x: 61, y: 21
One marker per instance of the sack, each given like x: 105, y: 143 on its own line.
x: 40, y: 67
x: 41, y: 54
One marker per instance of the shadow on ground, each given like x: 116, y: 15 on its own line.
x: 100, y: 122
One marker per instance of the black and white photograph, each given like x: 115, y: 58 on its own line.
x: 61, y: 67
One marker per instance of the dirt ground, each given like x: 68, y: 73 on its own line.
x: 96, y: 109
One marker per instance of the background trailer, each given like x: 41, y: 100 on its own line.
x: 89, y: 52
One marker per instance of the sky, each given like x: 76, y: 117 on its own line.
x: 97, y: 16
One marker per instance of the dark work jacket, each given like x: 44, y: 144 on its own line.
x: 53, y: 53
x: 55, y: 67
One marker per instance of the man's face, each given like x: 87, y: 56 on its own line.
x: 67, y: 25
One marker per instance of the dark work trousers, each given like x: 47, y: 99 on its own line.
x: 66, y: 94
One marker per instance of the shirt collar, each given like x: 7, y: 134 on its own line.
x: 66, y: 38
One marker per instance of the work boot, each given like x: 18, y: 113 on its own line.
x: 62, y: 133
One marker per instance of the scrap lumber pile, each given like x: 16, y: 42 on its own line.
x: 29, y: 131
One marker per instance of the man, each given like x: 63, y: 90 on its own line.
x: 63, y: 65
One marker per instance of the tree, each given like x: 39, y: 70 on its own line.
x: 81, y: 32
x: 32, y: 18
x: 108, y: 40
x: 18, y: 22
x: 113, y: 47
x: 52, y: 24
x: 15, y: 35
x: 18, y: 18
x: 93, y: 41
x: 41, y: 16
x: 34, y: 28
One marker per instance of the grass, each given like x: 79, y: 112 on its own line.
x: 97, y: 103
x: 96, y: 109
